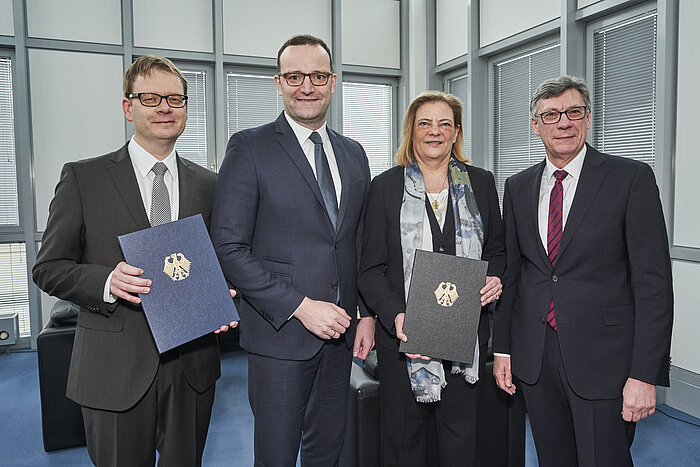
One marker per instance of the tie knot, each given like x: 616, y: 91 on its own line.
x: 315, y: 138
x: 560, y: 175
x: 159, y: 168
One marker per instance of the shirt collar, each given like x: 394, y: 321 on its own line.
x: 143, y: 161
x: 302, y: 133
x: 573, y: 168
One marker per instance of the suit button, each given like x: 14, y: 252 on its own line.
x: 334, y: 286
x: 542, y: 320
x: 335, y: 245
x: 441, y: 248
x: 555, y: 278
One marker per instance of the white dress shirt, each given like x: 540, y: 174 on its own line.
x: 302, y: 133
x: 143, y: 162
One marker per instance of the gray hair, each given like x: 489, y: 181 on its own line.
x: 556, y: 87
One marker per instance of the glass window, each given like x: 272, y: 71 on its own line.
x: 192, y: 144
x: 516, y: 147
x: 367, y: 118
x: 459, y: 86
x: 251, y: 101
x: 14, y: 295
x: 9, y: 207
x: 624, y: 88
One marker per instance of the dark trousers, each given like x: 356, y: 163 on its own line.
x: 404, y: 422
x: 569, y: 430
x: 300, y: 401
x: 171, y: 417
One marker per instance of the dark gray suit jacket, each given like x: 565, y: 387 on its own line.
x: 114, y: 356
x: 275, y: 240
x: 611, y: 284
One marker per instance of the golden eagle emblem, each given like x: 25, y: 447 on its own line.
x: 177, y: 267
x: 446, y: 294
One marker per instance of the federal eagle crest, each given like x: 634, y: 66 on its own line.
x: 177, y: 267
x: 446, y: 294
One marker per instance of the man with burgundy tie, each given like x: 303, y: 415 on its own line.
x: 584, y: 321
x: 287, y: 227
x: 134, y: 401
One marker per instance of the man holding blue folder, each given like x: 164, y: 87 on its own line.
x: 134, y: 401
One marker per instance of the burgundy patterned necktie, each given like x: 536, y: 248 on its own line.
x: 554, y: 230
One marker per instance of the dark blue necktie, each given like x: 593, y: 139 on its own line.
x: 324, y: 178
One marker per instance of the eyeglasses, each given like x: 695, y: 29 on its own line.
x: 317, y: 78
x: 151, y: 99
x: 553, y: 116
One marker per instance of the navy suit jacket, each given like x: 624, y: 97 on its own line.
x: 275, y: 241
x: 611, y: 284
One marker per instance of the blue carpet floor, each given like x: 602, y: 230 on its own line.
x: 661, y: 441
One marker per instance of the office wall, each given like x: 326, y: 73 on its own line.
x: 7, y: 27
x: 503, y: 18
x: 451, y: 30
x: 66, y: 88
x: 417, y: 53
x: 174, y: 24
x: 259, y: 28
x: 583, y: 3
x: 77, y: 20
x: 370, y: 32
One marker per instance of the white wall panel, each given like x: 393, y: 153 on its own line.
x: 417, y: 56
x: 7, y: 25
x: 451, y: 29
x: 685, y: 347
x: 260, y: 28
x: 686, y: 229
x: 174, y: 24
x: 371, y: 39
x: 504, y: 18
x: 76, y: 113
x: 76, y: 20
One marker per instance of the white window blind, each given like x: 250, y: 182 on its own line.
x: 9, y: 207
x: 192, y: 144
x: 367, y: 118
x: 14, y: 296
x: 459, y: 86
x: 251, y: 101
x: 516, y: 147
x: 624, y: 88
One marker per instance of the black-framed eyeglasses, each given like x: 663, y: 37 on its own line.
x: 151, y: 99
x: 295, y: 78
x: 553, y: 116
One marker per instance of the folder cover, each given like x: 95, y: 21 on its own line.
x: 444, y: 306
x: 189, y: 296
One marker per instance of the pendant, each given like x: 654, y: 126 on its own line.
x: 435, y: 204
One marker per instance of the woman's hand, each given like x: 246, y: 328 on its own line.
x: 398, y: 324
x: 491, y: 291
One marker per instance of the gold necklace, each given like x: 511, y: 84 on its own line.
x: 435, y: 202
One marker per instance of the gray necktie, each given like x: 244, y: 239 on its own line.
x: 160, y: 199
x: 325, y: 180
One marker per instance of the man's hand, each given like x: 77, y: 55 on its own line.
x: 398, y: 324
x: 491, y: 291
x: 326, y: 320
x: 126, y: 283
x: 232, y: 324
x: 638, y: 400
x: 501, y: 371
x: 364, y: 337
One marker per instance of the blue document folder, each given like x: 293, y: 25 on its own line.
x: 189, y: 296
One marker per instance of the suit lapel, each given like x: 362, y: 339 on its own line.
x: 288, y: 140
x: 187, y: 187
x: 592, y: 175
x: 341, y: 158
x: 532, y: 202
x: 122, y: 173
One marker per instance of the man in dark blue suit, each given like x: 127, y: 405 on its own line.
x: 287, y: 227
x: 586, y: 313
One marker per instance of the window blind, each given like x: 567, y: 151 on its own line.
x: 14, y: 295
x: 192, y: 144
x: 624, y: 88
x: 251, y: 101
x: 459, y: 86
x: 9, y: 207
x: 516, y: 147
x: 367, y: 118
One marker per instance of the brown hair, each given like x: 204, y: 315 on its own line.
x: 304, y: 39
x: 404, y: 155
x: 144, y: 66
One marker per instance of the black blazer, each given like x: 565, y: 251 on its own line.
x: 611, y: 285
x: 114, y: 356
x: 381, y: 280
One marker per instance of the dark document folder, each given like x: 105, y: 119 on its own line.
x: 189, y: 296
x: 443, y: 306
